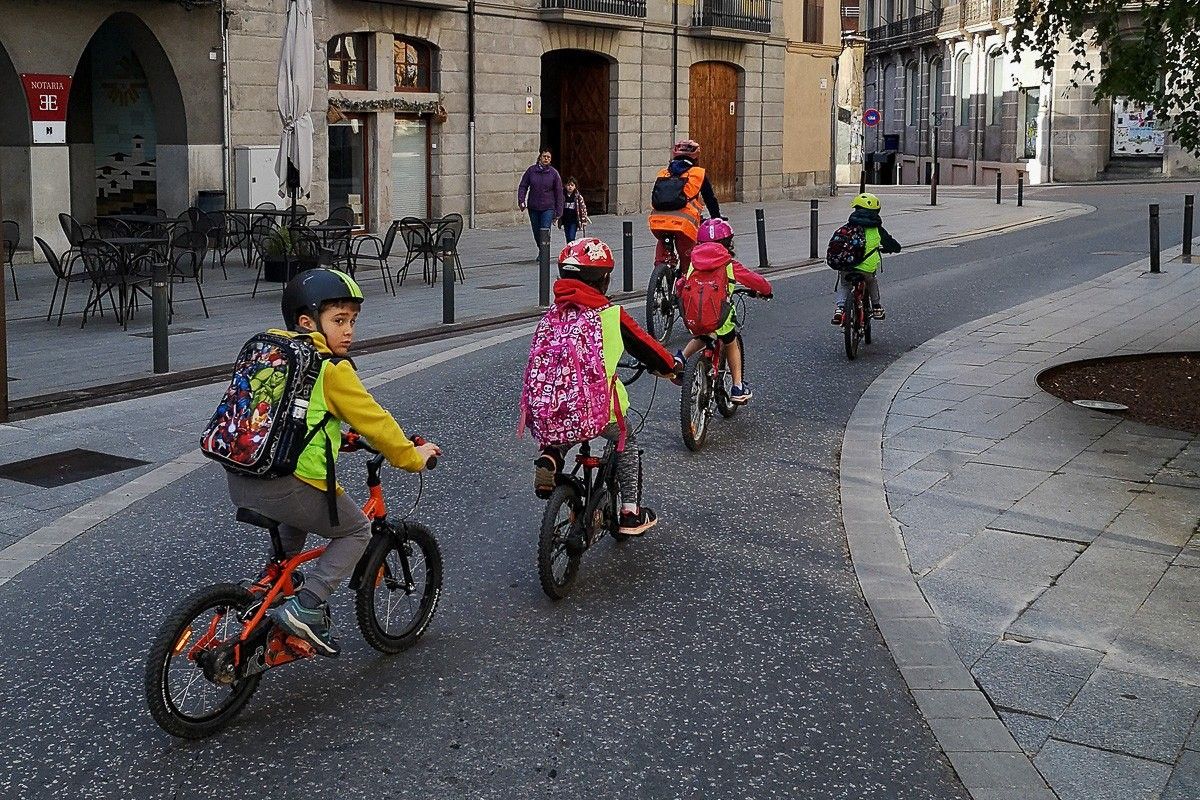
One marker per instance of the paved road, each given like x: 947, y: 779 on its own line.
x: 728, y: 654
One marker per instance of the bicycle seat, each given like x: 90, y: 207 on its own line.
x: 256, y: 519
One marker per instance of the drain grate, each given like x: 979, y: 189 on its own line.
x: 69, y: 466
x: 501, y: 286
x: 170, y: 332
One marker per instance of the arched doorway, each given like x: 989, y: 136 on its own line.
x: 713, y: 122
x: 126, y: 124
x: 15, y: 140
x: 576, y: 114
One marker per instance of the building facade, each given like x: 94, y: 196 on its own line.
x: 423, y: 107
x: 943, y: 76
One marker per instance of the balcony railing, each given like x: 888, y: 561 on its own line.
x: 740, y: 15
x: 904, y: 30
x: 622, y: 8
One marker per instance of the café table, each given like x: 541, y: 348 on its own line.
x: 131, y: 248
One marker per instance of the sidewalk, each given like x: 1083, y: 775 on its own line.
x: 502, y: 278
x: 1036, y: 567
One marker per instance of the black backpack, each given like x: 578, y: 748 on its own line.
x: 669, y: 193
x: 847, y: 247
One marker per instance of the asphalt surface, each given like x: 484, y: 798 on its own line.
x: 726, y: 654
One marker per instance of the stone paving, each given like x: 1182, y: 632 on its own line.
x: 501, y: 278
x: 1054, y: 549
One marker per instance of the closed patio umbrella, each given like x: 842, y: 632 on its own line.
x: 297, y: 68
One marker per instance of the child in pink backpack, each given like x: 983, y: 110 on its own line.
x: 585, y: 267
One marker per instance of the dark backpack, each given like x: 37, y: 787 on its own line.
x: 261, y: 427
x: 847, y: 247
x: 704, y: 300
x: 669, y: 194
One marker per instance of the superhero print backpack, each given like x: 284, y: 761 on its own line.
x: 847, y: 247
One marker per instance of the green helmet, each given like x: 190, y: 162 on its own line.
x: 313, y: 288
x: 866, y: 200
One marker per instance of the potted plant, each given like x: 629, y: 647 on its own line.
x: 283, y: 257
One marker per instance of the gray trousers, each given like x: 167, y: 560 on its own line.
x: 303, y: 509
x: 843, y: 291
x: 629, y: 462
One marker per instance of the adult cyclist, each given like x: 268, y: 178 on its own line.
x: 681, y: 193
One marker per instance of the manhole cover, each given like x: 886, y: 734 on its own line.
x: 501, y: 286
x: 69, y: 466
x: 1101, y: 405
x: 170, y: 332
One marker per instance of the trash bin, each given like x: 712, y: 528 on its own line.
x: 210, y: 200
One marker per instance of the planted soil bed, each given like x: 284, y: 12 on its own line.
x: 1160, y: 388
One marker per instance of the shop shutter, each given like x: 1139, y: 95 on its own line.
x: 410, y: 169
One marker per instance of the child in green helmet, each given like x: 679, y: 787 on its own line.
x: 865, y: 214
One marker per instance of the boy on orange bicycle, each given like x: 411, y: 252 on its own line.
x: 714, y: 254
x: 324, y: 304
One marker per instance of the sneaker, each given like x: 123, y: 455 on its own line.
x: 878, y: 313
x: 740, y: 394
x: 313, y: 625
x: 679, y: 361
x: 837, y: 317
x: 545, y: 475
x: 635, y: 523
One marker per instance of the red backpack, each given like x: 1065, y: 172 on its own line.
x: 704, y: 293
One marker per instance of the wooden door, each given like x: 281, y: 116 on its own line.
x: 584, y: 127
x: 713, y: 122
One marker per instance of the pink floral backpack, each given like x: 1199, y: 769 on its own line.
x: 567, y: 396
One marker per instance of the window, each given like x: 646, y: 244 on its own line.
x: 347, y: 57
x: 814, y: 21
x: 889, y: 97
x: 1033, y: 97
x: 912, y: 93
x: 935, y: 92
x: 995, y: 110
x: 348, y: 149
x: 410, y: 168
x: 963, y: 90
x: 412, y: 61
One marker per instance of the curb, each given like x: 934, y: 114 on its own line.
x: 979, y: 746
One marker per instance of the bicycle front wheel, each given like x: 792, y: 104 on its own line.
x: 557, y: 560
x: 694, y: 401
x: 725, y: 403
x: 400, y: 588
x: 660, y: 302
x: 191, y: 686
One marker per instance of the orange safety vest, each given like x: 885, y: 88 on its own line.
x: 687, y: 219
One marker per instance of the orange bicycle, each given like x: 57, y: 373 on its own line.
x: 211, y: 652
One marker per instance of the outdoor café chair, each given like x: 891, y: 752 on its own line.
x: 449, y: 227
x: 381, y: 250
x: 107, y: 228
x: 185, y: 261
x: 63, y: 274
x: 12, y: 235
x: 418, y: 242
x: 343, y: 214
x: 260, y: 235
x: 109, y: 269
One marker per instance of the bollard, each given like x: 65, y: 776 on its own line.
x: 997, y: 187
x: 899, y: 174
x: 862, y: 181
x: 447, y: 279
x: 1154, y: 254
x: 544, y: 267
x: 760, y: 223
x: 160, y: 301
x: 1020, y: 189
x: 627, y: 254
x: 812, y: 228
x: 933, y: 184
x: 1189, y: 205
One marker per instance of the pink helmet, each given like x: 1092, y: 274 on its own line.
x: 714, y: 230
x: 686, y: 148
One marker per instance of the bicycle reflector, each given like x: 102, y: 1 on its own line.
x: 181, y: 642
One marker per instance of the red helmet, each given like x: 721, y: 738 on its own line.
x: 586, y: 256
x: 714, y: 230
x: 686, y: 148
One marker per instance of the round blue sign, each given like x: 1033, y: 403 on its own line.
x: 871, y: 117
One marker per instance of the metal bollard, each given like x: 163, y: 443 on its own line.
x: 1154, y: 254
x: 1189, y: 207
x: 760, y: 223
x: 627, y: 254
x: 160, y: 302
x: 998, y: 178
x: 812, y: 228
x: 862, y: 181
x: 447, y: 280
x: 933, y: 184
x: 544, y: 267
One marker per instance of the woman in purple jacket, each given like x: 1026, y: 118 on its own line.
x: 541, y: 193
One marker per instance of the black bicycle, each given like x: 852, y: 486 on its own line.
x: 856, y: 316
x: 580, y: 511
x: 662, y: 306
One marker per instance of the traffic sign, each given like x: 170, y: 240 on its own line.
x: 871, y: 117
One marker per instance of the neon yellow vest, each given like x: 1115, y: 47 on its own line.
x: 872, y: 261
x: 614, y: 347
x: 312, y: 462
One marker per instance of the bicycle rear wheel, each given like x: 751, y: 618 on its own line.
x: 185, y: 699
x: 660, y: 302
x: 867, y: 328
x: 557, y: 562
x: 694, y: 401
x: 396, y: 606
x: 850, y: 328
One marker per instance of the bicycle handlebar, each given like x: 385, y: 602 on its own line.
x: 353, y: 441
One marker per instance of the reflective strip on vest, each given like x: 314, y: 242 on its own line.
x: 311, y: 464
x: 614, y: 347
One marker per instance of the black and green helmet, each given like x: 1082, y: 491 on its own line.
x: 313, y: 288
